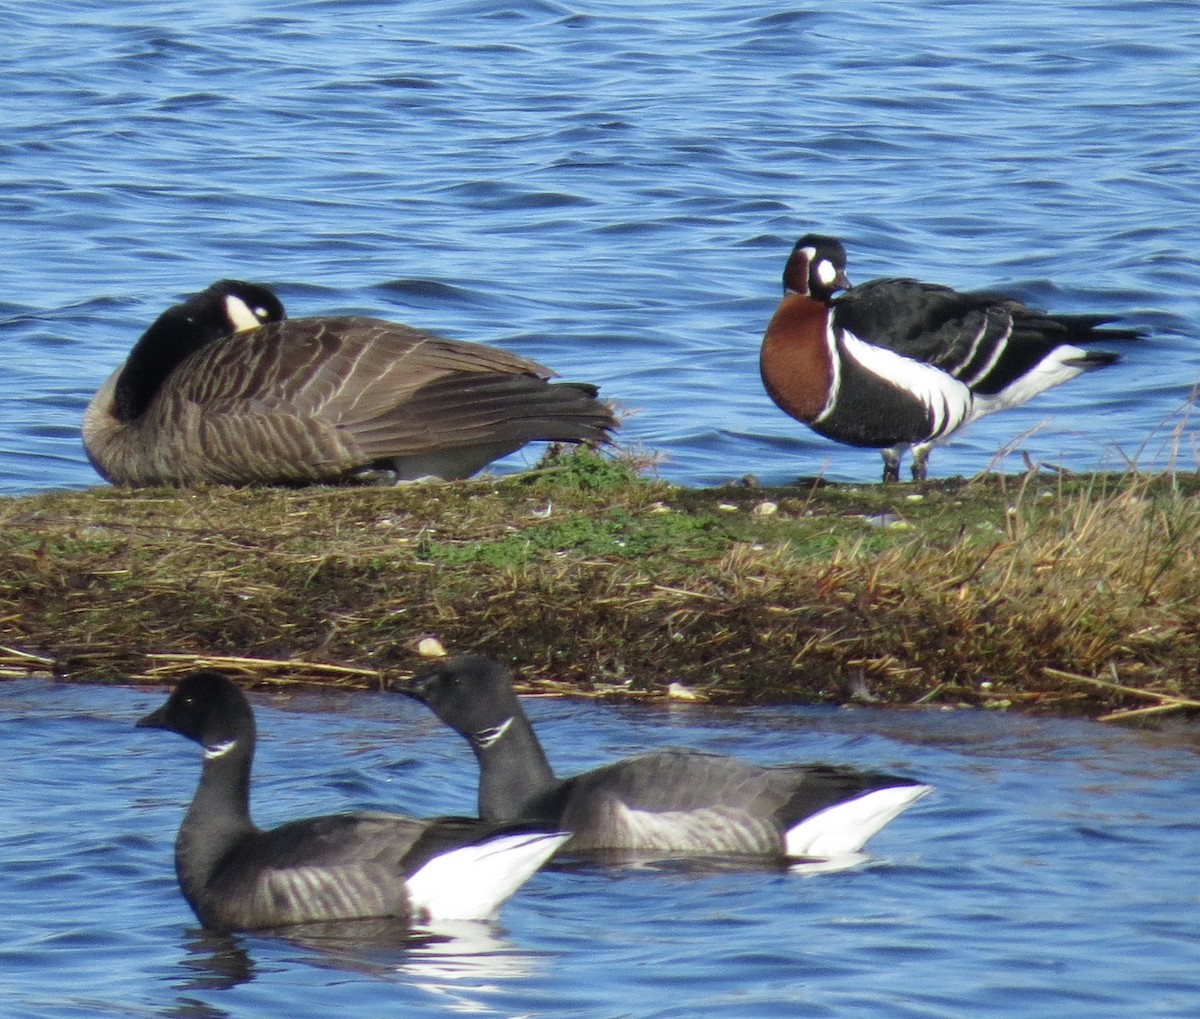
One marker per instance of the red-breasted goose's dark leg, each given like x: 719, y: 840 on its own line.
x: 920, y: 462
x: 891, y: 464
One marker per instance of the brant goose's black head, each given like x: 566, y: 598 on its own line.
x: 210, y: 709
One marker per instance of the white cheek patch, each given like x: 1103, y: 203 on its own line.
x: 489, y: 737
x: 826, y: 273
x: 219, y: 749
x: 240, y: 315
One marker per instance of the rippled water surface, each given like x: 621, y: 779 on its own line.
x: 610, y: 188
x: 1051, y: 873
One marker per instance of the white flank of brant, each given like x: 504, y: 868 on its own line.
x: 717, y: 830
x: 471, y: 883
x: 845, y: 827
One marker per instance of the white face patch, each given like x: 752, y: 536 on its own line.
x: 219, y: 749
x: 489, y: 737
x: 240, y: 315
x: 826, y: 273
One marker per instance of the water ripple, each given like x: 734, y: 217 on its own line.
x: 1017, y: 882
x: 650, y: 160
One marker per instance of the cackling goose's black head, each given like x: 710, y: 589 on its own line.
x: 226, y: 307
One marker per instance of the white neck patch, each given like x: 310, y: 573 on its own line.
x: 489, y: 737
x: 219, y: 749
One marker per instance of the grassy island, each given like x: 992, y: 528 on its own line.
x: 1071, y: 594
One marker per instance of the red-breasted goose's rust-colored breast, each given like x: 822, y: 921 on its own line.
x: 795, y: 361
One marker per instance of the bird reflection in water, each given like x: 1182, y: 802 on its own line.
x: 433, y: 957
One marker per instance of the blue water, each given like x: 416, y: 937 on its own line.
x: 1051, y: 873
x: 611, y: 188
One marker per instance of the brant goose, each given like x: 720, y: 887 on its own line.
x: 897, y: 364
x: 665, y: 802
x: 224, y: 389
x: 341, y: 867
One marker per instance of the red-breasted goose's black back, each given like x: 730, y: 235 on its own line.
x: 962, y: 333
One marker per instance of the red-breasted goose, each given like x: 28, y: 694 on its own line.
x: 896, y: 363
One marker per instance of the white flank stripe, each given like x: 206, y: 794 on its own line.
x: 844, y: 827
x: 835, y: 383
x: 998, y: 349
x: 471, y: 883
x: 1050, y: 371
x: 948, y: 400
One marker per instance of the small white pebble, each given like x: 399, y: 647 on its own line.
x: 914, y: 497
x: 765, y: 509
x: 430, y: 647
x: 727, y: 507
x: 659, y: 507
x: 679, y: 692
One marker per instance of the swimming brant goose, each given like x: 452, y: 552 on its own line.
x: 673, y: 801
x: 340, y: 867
x: 225, y: 389
x: 897, y: 364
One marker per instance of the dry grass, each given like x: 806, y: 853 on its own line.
x: 1067, y: 595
